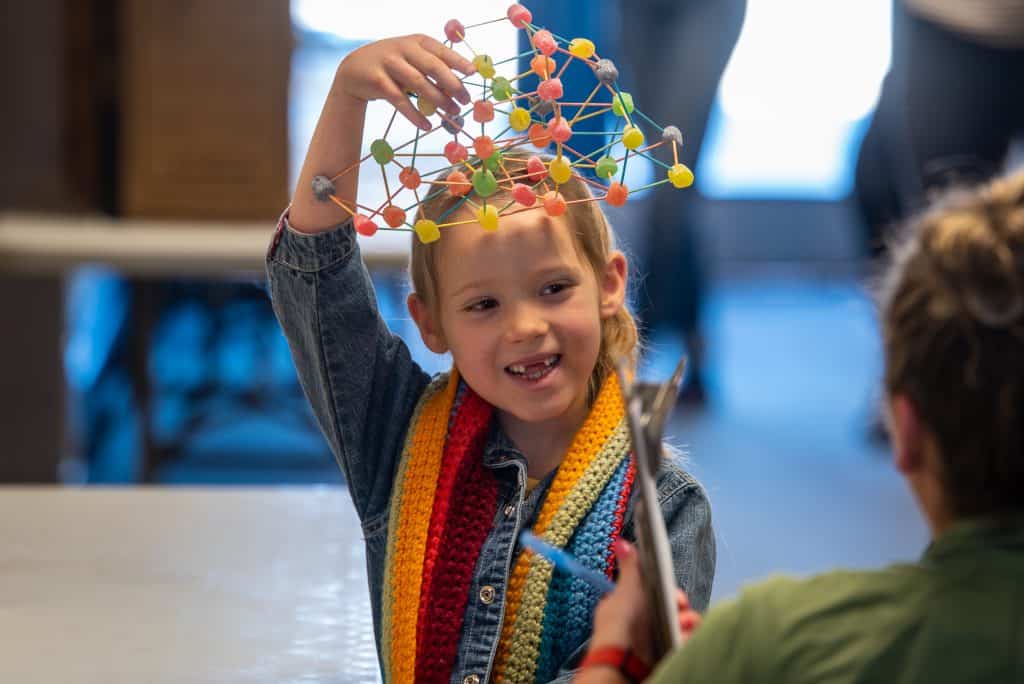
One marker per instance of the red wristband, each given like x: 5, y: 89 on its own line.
x: 622, y: 659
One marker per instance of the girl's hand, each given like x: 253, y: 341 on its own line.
x: 388, y: 69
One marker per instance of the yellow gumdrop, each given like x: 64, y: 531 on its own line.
x: 519, y: 119
x: 582, y: 48
x: 487, y: 217
x: 680, y: 176
x: 560, y: 170
x: 427, y: 231
x: 632, y: 137
x: 425, y: 106
x: 484, y: 66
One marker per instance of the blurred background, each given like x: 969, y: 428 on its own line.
x: 149, y: 148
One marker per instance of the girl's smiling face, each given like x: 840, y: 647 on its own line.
x: 521, y: 312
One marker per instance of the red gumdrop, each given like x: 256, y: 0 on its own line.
x: 409, y: 177
x: 459, y: 183
x: 617, y: 194
x: 394, y: 216
x: 519, y: 15
x: 523, y: 194
x: 364, y: 226
x: 454, y: 30
x: 554, y: 203
x: 536, y: 169
x: 544, y: 41
x: 550, y: 89
x: 483, y: 146
x: 483, y: 111
x: 455, y: 153
x: 539, y: 136
x: 559, y: 129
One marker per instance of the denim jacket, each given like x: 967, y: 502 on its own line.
x: 363, y: 386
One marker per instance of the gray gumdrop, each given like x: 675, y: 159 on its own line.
x: 323, y: 188
x: 606, y: 71
x: 672, y: 133
x: 453, y: 124
x: 540, y: 107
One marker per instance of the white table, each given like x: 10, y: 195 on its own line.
x: 182, y: 585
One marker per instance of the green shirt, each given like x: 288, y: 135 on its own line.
x: 957, y: 616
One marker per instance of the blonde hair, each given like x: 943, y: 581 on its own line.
x: 953, y: 327
x: 592, y: 236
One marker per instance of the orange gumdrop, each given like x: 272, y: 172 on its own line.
x: 539, y: 135
x: 543, y: 66
x: 459, y: 184
x: 394, y: 216
x: 483, y: 146
x: 617, y: 194
x: 554, y: 203
x: 409, y: 177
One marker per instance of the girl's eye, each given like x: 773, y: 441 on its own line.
x: 482, y: 304
x: 555, y: 288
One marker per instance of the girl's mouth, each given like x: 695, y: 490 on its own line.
x: 534, y: 371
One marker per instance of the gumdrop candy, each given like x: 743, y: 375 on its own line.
x: 484, y: 183
x: 680, y: 176
x: 545, y: 42
x: 582, y: 48
x: 559, y: 129
x: 606, y: 71
x: 483, y: 146
x: 409, y: 177
x: 543, y: 66
x: 381, y: 151
x: 488, y: 217
x: 539, y: 136
x: 393, y: 216
x: 453, y: 124
x: 554, y: 203
x: 519, y: 15
x: 524, y: 194
x: 459, y: 184
x: 427, y: 231
x: 536, y: 169
x: 617, y: 194
x: 483, y: 111
x: 484, y: 66
x: 502, y: 88
x: 454, y: 30
x: 618, y: 100
x: 519, y: 119
x: 560, y: 170
x: 632, y: 137
x: 606, y: 167
x: 364, y: 225
x: 673, y: 134
x: 550, y: 89
x: 455, y: 153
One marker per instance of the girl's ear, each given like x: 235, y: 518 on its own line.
x: 613, y: 285
x: 430, y: 329
x: 907, y: 434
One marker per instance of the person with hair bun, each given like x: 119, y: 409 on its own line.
x: 952, y: 310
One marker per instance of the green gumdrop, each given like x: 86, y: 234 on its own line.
x: 617, y: 101
x: 381, y: 151
x: 606, y: 167
x: 493, y: 163
x: 484, y: 183
x: 501, y: 88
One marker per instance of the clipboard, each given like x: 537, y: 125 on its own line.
x: 648, y: 406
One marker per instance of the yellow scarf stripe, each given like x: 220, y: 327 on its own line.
x: 411, y: 507
x: 526, y: 635
x: 604, y: 418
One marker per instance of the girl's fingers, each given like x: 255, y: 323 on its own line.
x: 689, y: 621
x: 682, y: 602
x: 450, y: 57
x: 397, y: 99
x: 412, y: 79
x: 442, y: 74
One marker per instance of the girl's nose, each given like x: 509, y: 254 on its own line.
x: 525, y: 323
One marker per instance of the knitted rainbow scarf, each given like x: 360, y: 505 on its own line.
x: 442, y: 509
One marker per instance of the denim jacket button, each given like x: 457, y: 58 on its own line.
x: 509, y: 510
x: 471, y: 679
x: 487, y: 594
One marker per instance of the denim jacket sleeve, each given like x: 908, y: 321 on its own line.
x: 359, y: 377
x: 687, y: 513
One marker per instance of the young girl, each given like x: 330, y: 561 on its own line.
x: 526, y: 431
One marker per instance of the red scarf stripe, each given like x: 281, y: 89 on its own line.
x: 620, y: 514
x: 455, y: 540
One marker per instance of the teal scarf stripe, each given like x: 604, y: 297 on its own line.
x: 571, y: 601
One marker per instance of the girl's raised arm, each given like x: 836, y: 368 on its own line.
x: 383, y: 70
